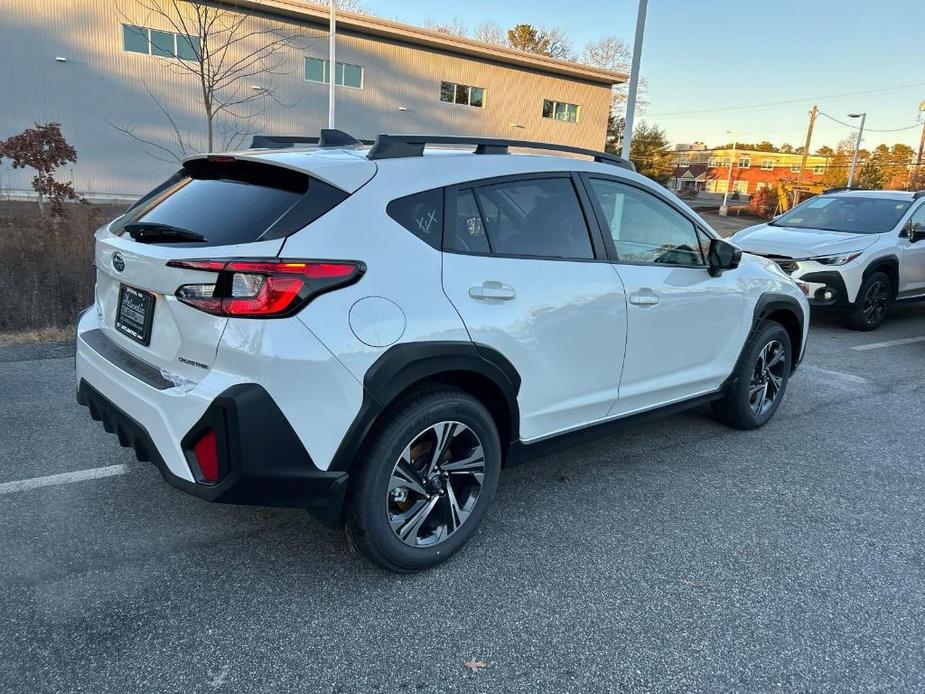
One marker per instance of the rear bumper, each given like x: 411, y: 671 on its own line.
x: 264, y: 463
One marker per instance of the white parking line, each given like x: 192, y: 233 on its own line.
x: 889, y: 343
x: 63, y: 478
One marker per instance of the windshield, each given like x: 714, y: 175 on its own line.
x: 854, y: 215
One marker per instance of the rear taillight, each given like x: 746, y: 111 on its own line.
x: 264, y: 288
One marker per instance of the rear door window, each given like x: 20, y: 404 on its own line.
x: 239, y: 202
x: 538, y: 218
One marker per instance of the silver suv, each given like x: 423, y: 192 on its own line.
x: 856, y: 251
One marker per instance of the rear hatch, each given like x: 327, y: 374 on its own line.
x: 215, y: 208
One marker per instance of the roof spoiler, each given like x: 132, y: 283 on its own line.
x: 329, y: 138
x: 400, y: 146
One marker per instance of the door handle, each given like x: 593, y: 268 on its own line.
x: 644, y: 299
x: 492, y: 291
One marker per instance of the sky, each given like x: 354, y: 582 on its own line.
x: 705, y: 62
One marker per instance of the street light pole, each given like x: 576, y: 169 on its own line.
x: 332, y: 67
x: 857, y: 145
x: 634, y: 79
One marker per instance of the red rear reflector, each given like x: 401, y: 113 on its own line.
x: 206, y: 451
x: 263, y: 288
x: 220, y: 158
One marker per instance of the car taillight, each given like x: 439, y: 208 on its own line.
x: 264, y: 288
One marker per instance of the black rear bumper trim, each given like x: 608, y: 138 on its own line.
x: 97, y: 341
x: 266, y: 463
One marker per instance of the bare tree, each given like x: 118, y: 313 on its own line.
x: 558, y: 43
x: 222, y: 51
x: 612, y: 53
x: 345, y: 5
x: 453, y: 28
x: 489, y: 32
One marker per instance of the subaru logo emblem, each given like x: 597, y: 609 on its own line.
x: 118, y: 262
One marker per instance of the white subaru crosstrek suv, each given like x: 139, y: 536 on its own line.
x: 372, y: 333
x: 857, y: 250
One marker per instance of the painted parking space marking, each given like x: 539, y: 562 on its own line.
x: 888, y: 343
x: 63, y: 478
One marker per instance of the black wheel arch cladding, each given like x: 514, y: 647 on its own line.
x: 400, y: 368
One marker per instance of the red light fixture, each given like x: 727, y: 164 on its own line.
x: 264, y: 288
x: 206, y: 452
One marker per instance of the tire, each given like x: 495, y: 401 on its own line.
x: 401, y: 514
x: 870, y: 306
x: 762, y: 370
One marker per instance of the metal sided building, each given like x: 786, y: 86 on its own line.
x: 107, y: 68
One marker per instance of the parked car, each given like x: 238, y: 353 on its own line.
x: 373, y: 333
x: 858, y: 250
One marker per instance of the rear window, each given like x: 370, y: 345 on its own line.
x: 234, y: 202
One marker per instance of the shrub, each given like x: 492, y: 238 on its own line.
x: 44, y: 149
x: 763, y: 202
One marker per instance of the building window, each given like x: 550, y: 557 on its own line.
x: 767, y: 164
x: 740, y: 187
x: 745, y: 162
x: 819, y: 170
x: 318, y: 70
x: 559, y: 110
x: 795, y: 168
x: 684, y: 161
x: 454, y: 93
x: 164, y: 44
x: 713, y: 161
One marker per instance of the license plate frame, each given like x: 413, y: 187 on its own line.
x: 135, y: 313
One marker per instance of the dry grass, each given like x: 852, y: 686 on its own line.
x: 47, y: 267
x: 24, y: 337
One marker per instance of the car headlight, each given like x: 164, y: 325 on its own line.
x: 840, y: 259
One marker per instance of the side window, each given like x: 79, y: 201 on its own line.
x: 918, y: 217
x: 540, y: 218
x: 469, y: 234
x: 645, y: 229
x: 421, y: 214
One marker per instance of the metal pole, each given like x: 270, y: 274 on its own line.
x: 634, y: 79
x: 332, y: 67
x: 857, y: 147
x: 723, y: 209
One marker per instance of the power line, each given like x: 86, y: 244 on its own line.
x: 787, y: 102
x: 870, y: 130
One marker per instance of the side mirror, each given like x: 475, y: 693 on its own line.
x: 915, y: 232
x: 722, y: 256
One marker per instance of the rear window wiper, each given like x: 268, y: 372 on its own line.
x: 149, y: 232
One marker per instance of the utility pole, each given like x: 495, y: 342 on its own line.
x: 809, y: 138
x: 918, y: 162
x: 723, y: 209
x: 634, y: 79
x: 857, y: 145
x: 332, y: 66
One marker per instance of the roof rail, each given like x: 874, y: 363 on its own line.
x: 836, y: 190
x: 918, y: 194
x: 400, y: 146
x: 329, y: 138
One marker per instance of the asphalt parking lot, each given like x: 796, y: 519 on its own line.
x: 681, y: 556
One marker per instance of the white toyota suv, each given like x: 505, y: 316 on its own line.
x: 857, y: 250
x: 372, y: 333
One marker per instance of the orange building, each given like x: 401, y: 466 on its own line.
x: 708, y: 170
